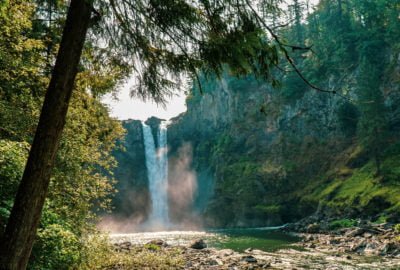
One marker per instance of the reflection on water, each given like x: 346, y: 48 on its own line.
x: 236, y: 239
x: 266, y: 240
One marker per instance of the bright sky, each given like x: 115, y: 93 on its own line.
x: 128, y: 108
x: 133, y: 108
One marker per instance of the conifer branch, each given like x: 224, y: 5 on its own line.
x: 287, y: 56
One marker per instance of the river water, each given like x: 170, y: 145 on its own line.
x: 265, y: 239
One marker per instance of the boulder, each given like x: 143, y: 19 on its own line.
x: 355, y: 232
x: 198, y: 244
x: 313, y: 228
x: 249, y: 259
x: 157, y: 242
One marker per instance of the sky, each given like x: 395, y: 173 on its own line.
x: 126, y: 107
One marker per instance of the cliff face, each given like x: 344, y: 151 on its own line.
x: 132, y: 198
x: 243, y: 135
x: 267, y: 155
x: 255, y: 108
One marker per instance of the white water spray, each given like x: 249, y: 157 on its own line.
x: 157, y: 173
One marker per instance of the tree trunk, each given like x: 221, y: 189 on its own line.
x: 17, y: 242
x: 297, y: 16
x: 377, y: 152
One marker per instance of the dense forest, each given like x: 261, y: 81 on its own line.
x: 280, y: 154
x: 293, y: 110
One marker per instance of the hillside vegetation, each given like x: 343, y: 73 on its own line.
x: 280, y: 154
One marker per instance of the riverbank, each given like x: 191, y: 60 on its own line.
x: 152, y: 256
x: 352, y: 248
x: 349, y: 236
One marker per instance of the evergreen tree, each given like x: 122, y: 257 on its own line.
x: 375, y: 21
x: 373, y: 124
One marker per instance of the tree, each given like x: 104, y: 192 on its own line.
x: 297, y: 13
x: 373, y: 61
x: 25, y: 215
x: 373, y: 125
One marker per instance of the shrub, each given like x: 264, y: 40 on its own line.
x: 97, y: 252
x: 342, y: 223
x: 56, y: 248
x: 397, y: 228
x: 153, y: 247
x: 381, y: 219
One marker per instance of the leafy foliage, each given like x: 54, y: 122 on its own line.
x: 82, y: 183
x: 56, y: 248
x: 342, y: 223
x: 12, y: 162
x: 206, y: 36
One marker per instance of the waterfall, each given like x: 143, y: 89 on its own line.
x: 157, y: 173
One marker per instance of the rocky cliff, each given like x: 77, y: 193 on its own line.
x: 272, y: 159
x: 132, y: 199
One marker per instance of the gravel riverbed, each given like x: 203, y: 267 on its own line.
x: 347, y: 249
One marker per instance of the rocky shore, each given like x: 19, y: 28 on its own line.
x: 367, y: 247
x: 364, y: 238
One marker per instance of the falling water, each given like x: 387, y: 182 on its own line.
x: 157, y: 173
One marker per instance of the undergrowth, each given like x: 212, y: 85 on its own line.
x: 99, y: 254
x: 360, y: 190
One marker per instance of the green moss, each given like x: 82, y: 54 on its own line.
x: 268, y: 209
x: 381, y: 219
x: 328, y: 191
x: 342, y: 223
x: 151, y: 246
x: 391, y: 165
x: 362, y: 189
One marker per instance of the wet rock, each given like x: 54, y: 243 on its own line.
x: 309, y: 238
x: 333, y: 241
x: 225, y: 252
x: 265, y: 265
x: 124, y: 246
x: 249, y: 259
x: 358, y: 246
x: 367, y: 235
x: 215, y: 261
x: 248, y: 250
x: 313, y: 228
x: 371, y: 248
x: 157, y: 242
x: 198, y: 244
x: 312, y: 245
x: 355, y: 232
